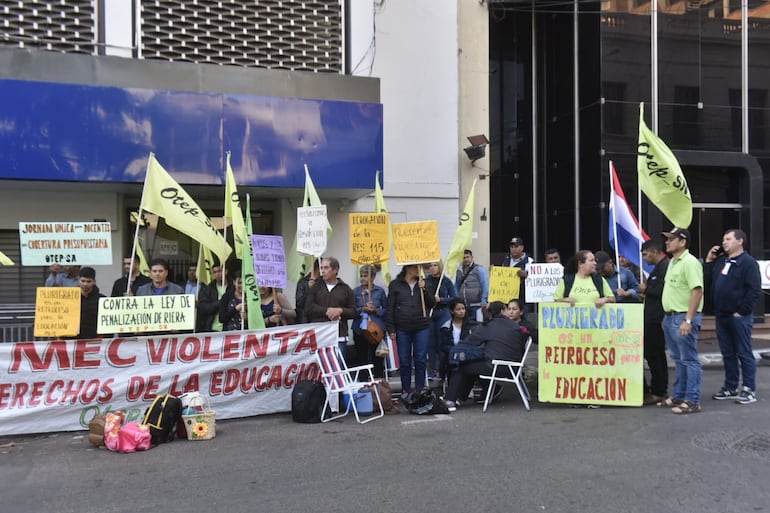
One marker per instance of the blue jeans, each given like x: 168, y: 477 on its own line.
x: 734, y: 335
x: 684, y: 352
x: 412, y: 345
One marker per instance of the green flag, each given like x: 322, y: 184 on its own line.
x: 250, y: 285
x: 463, y: 236
x: 233, y: 209
x: 661, y: 178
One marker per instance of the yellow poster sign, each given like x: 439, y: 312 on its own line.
x: 369, y: 237
x: 590, y: 355
x: 57, y: 312
x: 138, y: 314
x: 416, y: 243
x: 504, y: 283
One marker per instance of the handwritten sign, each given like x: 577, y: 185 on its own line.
x: 504, y: 283
x: 45, y: 243
x: 764, y: 272
x: 590, y: 355
x: 311, y: 230
x: 416, y: 243
x: 57, y: 312
x: 269, y: 260
x: 137, y: 314
x: 541, y: 282
x: 369, y: 234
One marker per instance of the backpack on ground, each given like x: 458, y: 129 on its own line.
x: 569, y: 280
x: 307, y: 401
x: 424, y: 402
x: 162, y: 418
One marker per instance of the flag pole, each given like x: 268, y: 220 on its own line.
x: 614, y: 220
x: 138, y: 222
x: 639, y: 215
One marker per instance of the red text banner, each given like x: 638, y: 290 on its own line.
x: 60, y: 385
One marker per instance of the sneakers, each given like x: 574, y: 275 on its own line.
x: 746, y: 396
x: 724, y: 394
x: 497, y: 392
x: 451, y: 406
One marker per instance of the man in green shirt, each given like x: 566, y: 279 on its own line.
x: 683, y: 303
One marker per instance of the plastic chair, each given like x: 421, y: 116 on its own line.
x: 338, y: 378
x: 515, y: 369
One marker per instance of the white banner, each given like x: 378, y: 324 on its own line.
x: 541, y: 282
x: 68, y: 243
x: 60, y: 385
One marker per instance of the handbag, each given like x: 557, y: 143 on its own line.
x: 463, y: 353
x: 372, y: 332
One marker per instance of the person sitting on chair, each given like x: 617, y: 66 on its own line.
x: 502, y: 339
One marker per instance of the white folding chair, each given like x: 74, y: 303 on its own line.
x: 337, y: 377
x: 515, y: 369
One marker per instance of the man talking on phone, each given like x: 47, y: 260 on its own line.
x: 735, y: 282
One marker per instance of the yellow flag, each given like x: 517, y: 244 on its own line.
x: 164, y: 197
x: 379, y: 207
x: 5, y: 260
x: 250, y: 285
x: 463, y: 236
x: 233, y: 209
x: 661, y: 178
x: 205, y: 263
x: 144, y: 267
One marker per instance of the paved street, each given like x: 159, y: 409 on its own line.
x: 552, y: 459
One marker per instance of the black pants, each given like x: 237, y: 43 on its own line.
x: 364, y: 354
x: 464, y: 377
x: 655, y: 354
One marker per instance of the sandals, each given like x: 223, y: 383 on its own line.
x: 669, y: 402
x: 685, y: 408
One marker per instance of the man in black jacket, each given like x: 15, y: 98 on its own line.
x: 734, y: 279
x: 89, y: 303
x: 209, y: 297
x: 654, y: 339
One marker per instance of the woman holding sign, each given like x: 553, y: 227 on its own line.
x: 582, y: 284
x: 232, y: 313
x: 408, y: 324
x: 276, y: 309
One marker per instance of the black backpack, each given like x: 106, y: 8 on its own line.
x: 424, y: 402
x: 162, y: 418
x: 569, y: 280
x: 307, y: 401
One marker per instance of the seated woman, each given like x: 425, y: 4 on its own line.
x: 502, y: 340
x: 276, y: 309
x: 515, y: 312
x: 457, y: 328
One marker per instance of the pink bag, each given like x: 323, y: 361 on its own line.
x: 124, y: 438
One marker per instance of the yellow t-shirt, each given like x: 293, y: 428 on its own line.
x: 583, y: 290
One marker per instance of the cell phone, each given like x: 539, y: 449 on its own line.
x: 719, y: 250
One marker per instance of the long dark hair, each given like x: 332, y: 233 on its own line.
x: 494, y: 309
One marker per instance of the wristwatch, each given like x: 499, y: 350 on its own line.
x: 688, y: 321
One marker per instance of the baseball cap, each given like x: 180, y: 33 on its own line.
x: 602, y: 257
x: 517, y: 241
x: 677, y: 232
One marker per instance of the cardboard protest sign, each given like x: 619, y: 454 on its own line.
x: 369, y: 237
x: 311, y: 230
x: 69, y: 243
x: 416, y: 242
x: 269, y: 260
x: 57, y: 312
x: 541, y: 282
x: 590, y: 355
x: 137, y: 314
x: 504, y: 283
